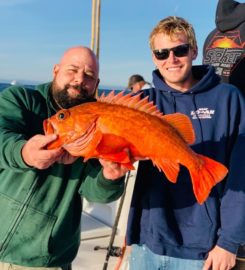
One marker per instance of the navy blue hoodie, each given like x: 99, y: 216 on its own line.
x: 166, y: 216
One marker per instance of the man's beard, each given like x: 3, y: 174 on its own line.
x: 63, y: 100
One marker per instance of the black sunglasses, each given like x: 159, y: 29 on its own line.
x: 179, y: 51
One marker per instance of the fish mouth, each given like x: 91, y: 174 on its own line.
x: 48, y: 127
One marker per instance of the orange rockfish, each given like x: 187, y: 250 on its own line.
x: 106, y: 128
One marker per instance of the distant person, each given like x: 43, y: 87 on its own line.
x: 167, y: 228
x: 224, y: 48
x: 41, y: 190
x: 136, y: 83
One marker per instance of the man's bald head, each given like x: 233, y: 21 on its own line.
x: 76, y: 77
x: 80, y: 53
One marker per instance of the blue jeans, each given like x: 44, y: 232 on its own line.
x: 141, y: 258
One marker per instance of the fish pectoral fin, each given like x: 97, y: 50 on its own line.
x: 205, y: 176
x: 111, y: 143
x: 113, y: 148
x: 170, y: 169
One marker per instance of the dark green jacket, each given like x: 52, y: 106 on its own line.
x: 40, y: 210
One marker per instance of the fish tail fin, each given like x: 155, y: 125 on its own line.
x: 206, y: 176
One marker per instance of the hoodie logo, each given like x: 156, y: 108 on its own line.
x: 202, y: 113
x: 225, y: 52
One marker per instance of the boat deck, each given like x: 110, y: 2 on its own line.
x: 90, y: 259
x: 95, y: 233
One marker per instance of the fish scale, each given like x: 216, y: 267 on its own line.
x: 122, y: 128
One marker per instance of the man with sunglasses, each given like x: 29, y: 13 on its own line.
x: 167, y: 228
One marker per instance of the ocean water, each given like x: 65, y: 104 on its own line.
x: 4, y: 85
x: 100, y: 91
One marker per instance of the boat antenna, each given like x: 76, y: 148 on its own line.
x: 95, y: 30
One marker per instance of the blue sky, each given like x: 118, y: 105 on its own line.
x: 35, y: 33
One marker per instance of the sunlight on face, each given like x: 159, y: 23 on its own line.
x: 176, y: 71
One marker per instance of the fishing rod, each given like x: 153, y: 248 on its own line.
x: 113, y: 250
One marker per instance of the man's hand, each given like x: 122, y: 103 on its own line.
x: 66, y: 158
x: 112, y: 170
x: 219, y: 259
x: 35, y: 155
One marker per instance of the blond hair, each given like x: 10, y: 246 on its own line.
x: 173, y: 26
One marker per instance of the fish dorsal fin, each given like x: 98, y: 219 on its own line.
x: 134, y: 102
x: 182, y: 124
x: 179, y: 121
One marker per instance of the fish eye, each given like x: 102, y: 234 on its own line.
x: 62, y: 115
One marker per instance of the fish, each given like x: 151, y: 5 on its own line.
x: 121, y: 128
